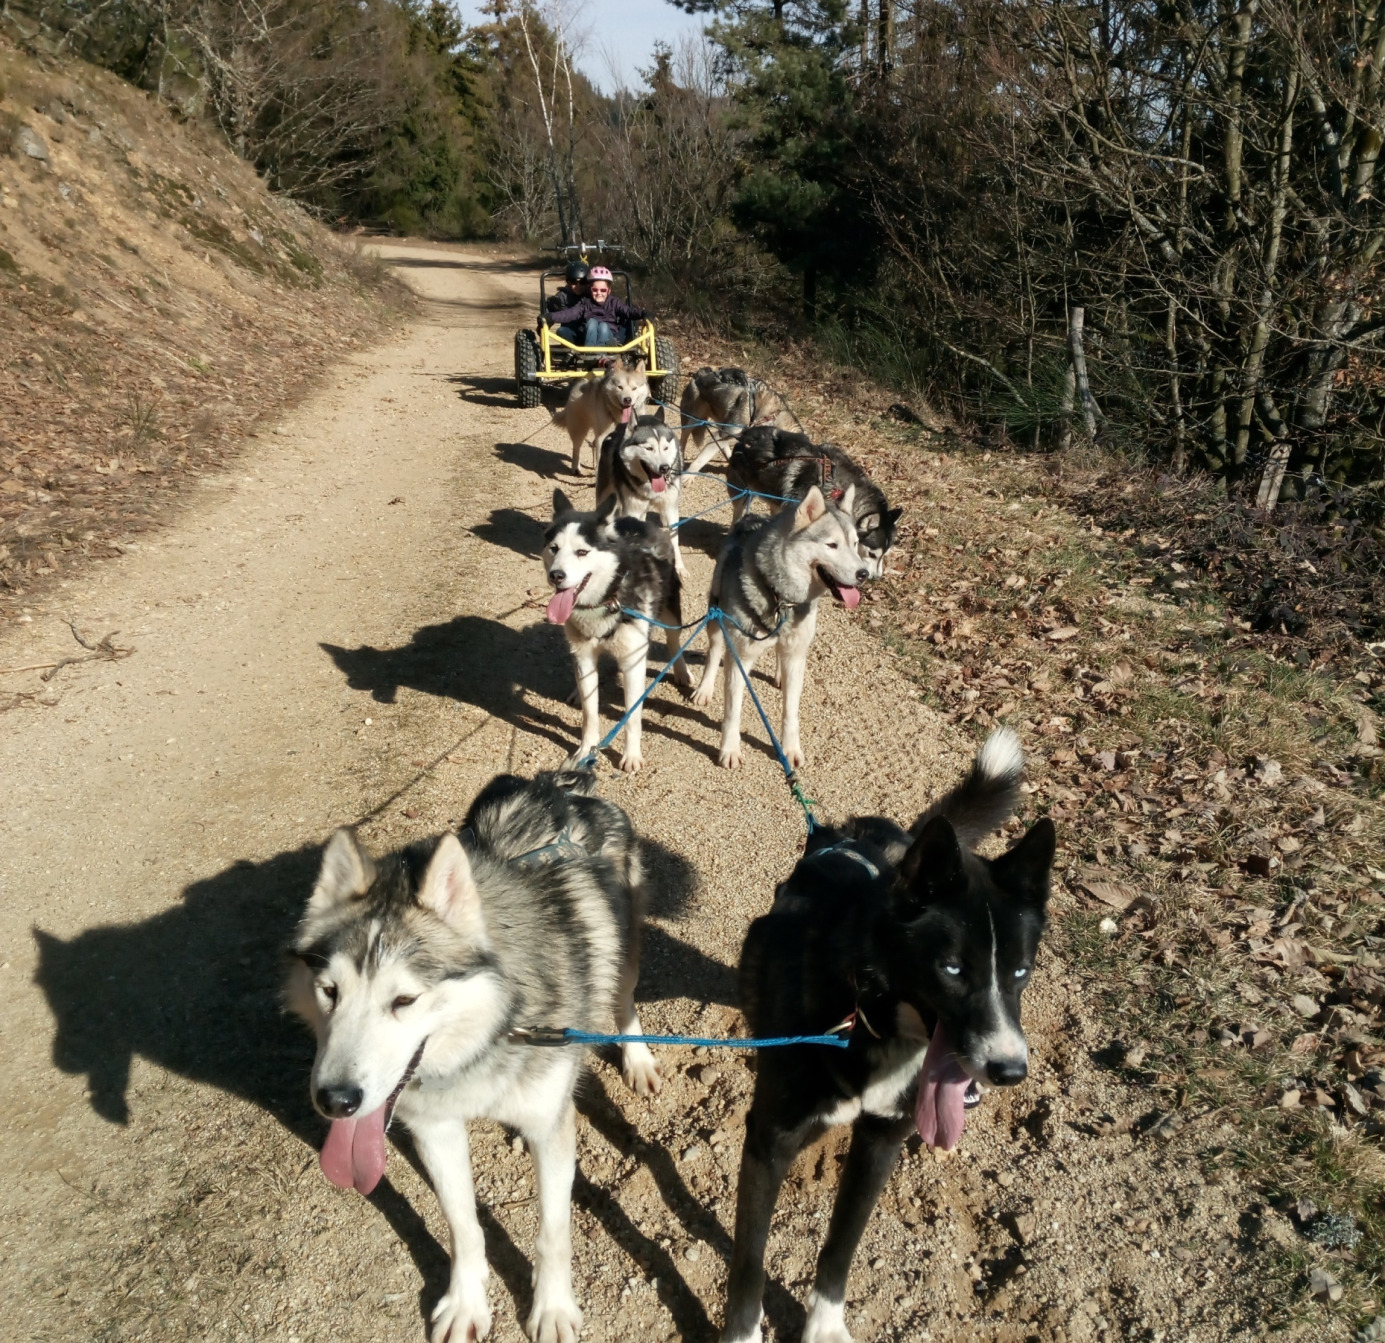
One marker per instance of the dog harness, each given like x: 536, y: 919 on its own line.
x: 844, y: 847
x: 561, y: 849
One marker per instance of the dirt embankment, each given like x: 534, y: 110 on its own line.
x: 158, y: 302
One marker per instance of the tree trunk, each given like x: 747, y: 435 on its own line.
x: 1278, y: 462
x: 1180, y: 431
x: 1065, y: 410
x: 1077, y: 317
x: 884, y: 41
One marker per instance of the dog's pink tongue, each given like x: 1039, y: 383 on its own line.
x: 940, y: 1112
x: 625, y: 414
x: 851, y: 597
x: 354, y: 1154
x: 657, y: 484
x: 560, y: 606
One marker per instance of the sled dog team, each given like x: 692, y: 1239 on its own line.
x: 616, y: 575
x: 427, y: 973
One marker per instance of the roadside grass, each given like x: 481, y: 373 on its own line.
x: 1217, y: 791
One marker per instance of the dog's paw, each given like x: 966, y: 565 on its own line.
x: 631, y: 764
x: 681, y: 570
x: 702, y: 696
x: 682, y: 677
x: 640, y: 1069
x: 555, y: 1321
x: 794, y: 755
x: 462, y: 1316
x: 730, y: 757
x: 826, y: 1322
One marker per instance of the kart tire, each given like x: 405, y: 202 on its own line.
x: 527, y: 370
x: 665, y: 387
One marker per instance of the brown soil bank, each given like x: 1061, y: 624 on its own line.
x: 157, y: 301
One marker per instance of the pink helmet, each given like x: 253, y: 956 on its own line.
x: 601, y: 273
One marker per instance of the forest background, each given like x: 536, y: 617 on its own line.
x: 1147, y: 225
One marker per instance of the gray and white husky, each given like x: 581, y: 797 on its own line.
x: 775, y: 462
x: 603, y: 568
x: 642, y: 465
x: 725, y: 397
x: 769, y: 578
x: 420, y: 973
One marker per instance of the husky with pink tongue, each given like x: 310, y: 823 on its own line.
x: 641, y: 464
x: 611, y: 577
x: 922, y: 949
x: 769, y: 578
x: 421, y: 973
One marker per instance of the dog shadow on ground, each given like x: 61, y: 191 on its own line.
x: 516, y: 530
x: 698, y: 1220
x: 489, y: 664
x: 196, y: 990
x: 474, y: 660
x: 549, y: 463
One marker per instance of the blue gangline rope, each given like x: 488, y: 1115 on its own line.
x: 569, y: 1036
x: 589, y: 760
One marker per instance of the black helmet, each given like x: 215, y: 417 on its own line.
x: 577, y: 272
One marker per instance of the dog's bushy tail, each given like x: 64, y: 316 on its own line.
x: 988, y: 796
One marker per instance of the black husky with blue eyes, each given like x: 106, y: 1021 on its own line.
x: 925, y: 947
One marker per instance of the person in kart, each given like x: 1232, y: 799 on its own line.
x: 598, y: 319
x: 574, y: 287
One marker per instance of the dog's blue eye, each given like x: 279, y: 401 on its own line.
x: 1021, y: 972
x: 952, y: 968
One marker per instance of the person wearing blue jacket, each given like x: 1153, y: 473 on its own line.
x: 598, y: 319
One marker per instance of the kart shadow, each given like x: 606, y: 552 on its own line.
x: 484, y: 390
x: 474, y: 660
x: 196, y: 990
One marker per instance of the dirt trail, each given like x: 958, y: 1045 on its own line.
x: 343, y: 631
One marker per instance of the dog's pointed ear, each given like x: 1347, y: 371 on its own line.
x: 346, y: 873
x: 606, y: 507
x: 639, y: 366
x: 810, y: 510
x: 892, y: 517
x: 848, y: 498
x: 1024, y: 870
x: 561, y: 503
x: 659, y: 416
x: 449, y: 888
x: 932, y: 866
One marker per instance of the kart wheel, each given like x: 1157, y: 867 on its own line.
x: 665, y: 387
x: 526, y: 369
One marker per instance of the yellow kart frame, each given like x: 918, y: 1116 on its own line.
x: 645, y: 343
x: 544, y: 359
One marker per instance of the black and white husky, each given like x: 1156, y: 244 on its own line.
x: 926, y: 947
x: 774, y: 461
x: 769, y: 578
x: 641, y: 464
x: 603, y: 568
x: 420, y: 973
